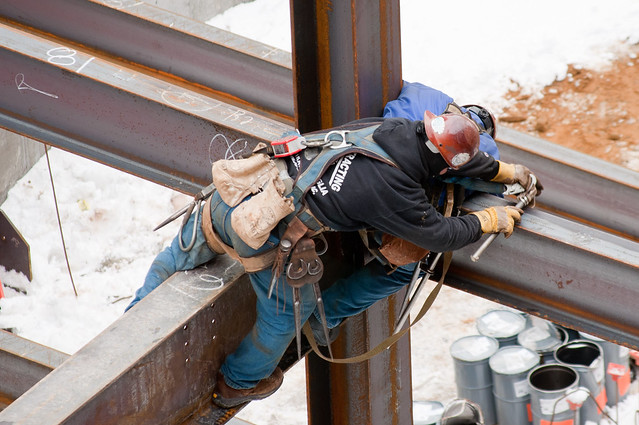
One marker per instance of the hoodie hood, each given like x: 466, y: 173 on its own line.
x: 405, y: 142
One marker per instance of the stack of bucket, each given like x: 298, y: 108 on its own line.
x: 522, y: 371
x: 616, y: 367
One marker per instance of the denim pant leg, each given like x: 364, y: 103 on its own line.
x: 260, y: 351
x: 173, y: 259
x: 360, y: 290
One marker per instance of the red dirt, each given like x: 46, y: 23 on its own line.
x: 595, y: 112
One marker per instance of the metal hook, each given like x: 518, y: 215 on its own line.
x: 323, y: 247
x: 299, y: 272
x: 196, y: 205
x: 315, y: 267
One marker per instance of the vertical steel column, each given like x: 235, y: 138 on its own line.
x: 347, y: 65
x: 346, y: 60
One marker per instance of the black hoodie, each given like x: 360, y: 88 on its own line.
x: 363, y: 193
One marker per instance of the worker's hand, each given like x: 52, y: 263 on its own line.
x: 517, y: 173
x: 499, y: 219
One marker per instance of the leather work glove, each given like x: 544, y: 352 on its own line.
x: 499, y: 219
x: 517, y: 173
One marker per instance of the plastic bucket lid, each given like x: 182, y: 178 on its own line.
x: 501, y: 324
x: 538, y: 339
x: 474, y: 348
x: 513, y: 360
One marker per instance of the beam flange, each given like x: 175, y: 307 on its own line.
x: 235, y: 67
x: 156, y: 363
x: 559, y: 269
x: 119, y: 116
x: 24, y: 363
x: 577, y: 185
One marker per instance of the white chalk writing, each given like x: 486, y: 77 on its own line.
x: 24, y: 86
x: 232, y: 149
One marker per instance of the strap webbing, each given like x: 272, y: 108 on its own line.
x: 391, y: 339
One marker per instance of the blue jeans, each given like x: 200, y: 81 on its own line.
x: 260, y: 351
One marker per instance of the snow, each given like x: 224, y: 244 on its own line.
x: 474, y: 51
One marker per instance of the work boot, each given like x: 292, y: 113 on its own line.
x: 227, y: 397
x: 462, y: 412
x: 318, y: 331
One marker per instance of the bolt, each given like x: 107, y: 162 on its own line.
x: 285, y: 245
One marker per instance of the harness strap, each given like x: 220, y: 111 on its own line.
x: 215, y: 243
x: 334, y: 145
x: 391, y: 339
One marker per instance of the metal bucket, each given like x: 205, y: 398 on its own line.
x: 427, y: 412
x: 619, y: 356
x: 503, y: 325
x: 510, y: 366
x: 586, y: 357
x: 472, y: 373
x: 543, y: 340
x: 548, y: 385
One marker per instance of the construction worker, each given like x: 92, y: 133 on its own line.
x: 376, y: 175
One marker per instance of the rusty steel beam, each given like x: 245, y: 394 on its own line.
x: 23, y: 363
x: 346, y: 60
x: 156, y: 363
x: 577, y: 185
x: 558, y: 269
x: 236, y: 68
x: 112, y: 114
x: 346, y: 66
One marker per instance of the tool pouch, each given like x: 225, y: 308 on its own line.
x: 304, y: 265
x: 254, y: 219
x: 400, y: 252
x: 235, y: 179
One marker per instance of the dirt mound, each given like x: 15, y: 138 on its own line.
x: 595, y: 112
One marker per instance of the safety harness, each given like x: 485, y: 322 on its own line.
x: 325, y: 148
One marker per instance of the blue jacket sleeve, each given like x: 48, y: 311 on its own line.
x: 415, y: 98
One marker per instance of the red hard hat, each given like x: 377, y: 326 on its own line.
x: 455, y: 137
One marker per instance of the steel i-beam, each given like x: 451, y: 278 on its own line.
x: 559, y: 269
x: 237, y: 68
x: 346, y: 66
x: 577, y: 185
x: 346, y: 60
x: 23, y: 364
x: 156, y: 364
x: 118, y: 116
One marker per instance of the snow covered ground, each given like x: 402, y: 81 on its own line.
x: 474, y: 51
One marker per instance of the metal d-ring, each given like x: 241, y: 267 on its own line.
x: 342, y: 144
